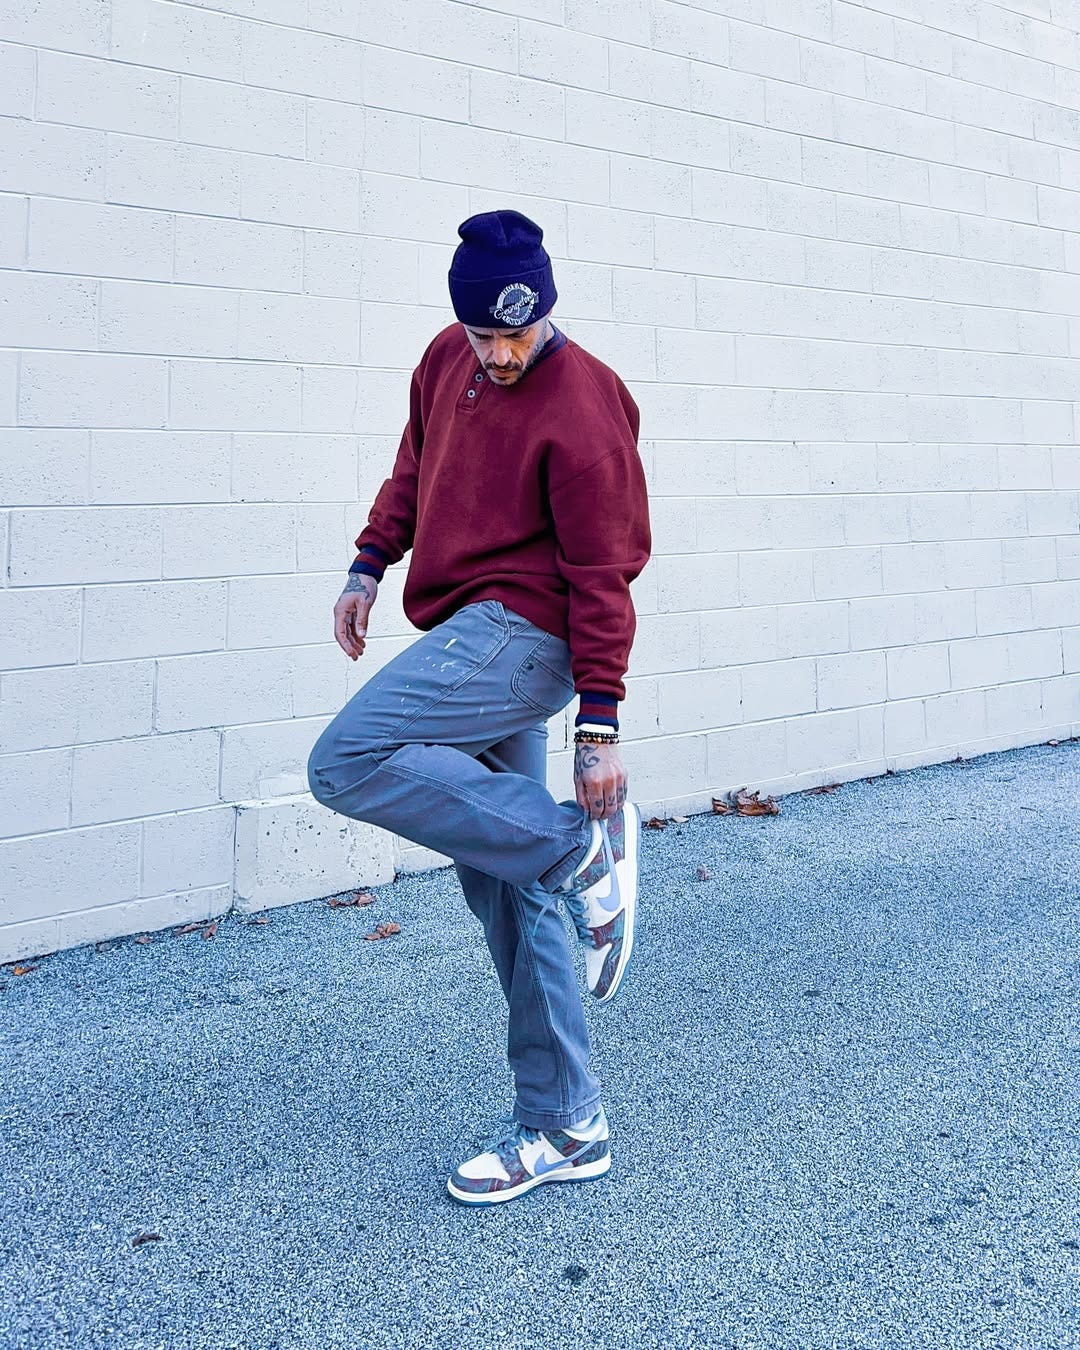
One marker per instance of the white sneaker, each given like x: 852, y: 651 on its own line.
x: 528, y: 1158
x: 601, y: 896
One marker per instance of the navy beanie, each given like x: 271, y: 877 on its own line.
x: 500, y: 276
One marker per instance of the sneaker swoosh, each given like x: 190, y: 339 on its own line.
x: 542, y: 1165
x: 613, y: 900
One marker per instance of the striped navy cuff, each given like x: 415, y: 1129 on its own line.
x: 599, y: 708
x: 371, y: 561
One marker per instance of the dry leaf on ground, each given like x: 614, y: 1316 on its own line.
x: 824, y: 787
x: 752, y: 804
x: 23, y: 970
x: 145, y: 1237
x: 721, y: 807
x: 187, y: 928
x: 144, y: 939
x: 211, y: 929
x: 384, y: 930
x: 264, y: 919
x: 356, y: 898
x: 656, y: 823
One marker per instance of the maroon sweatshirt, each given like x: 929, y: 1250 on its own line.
x: 532, y: 494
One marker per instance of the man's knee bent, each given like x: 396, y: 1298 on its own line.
x: 336, y: 764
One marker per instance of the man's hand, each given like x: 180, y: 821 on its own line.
x: 599, y: 780
x: 351, y: 613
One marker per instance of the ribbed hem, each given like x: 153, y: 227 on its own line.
x: 371, y: 561
x: 601, y: 708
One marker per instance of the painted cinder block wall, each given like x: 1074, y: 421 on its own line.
x: 833, y: 248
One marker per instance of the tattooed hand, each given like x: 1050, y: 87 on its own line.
x: 599, y: 780
x: 351, y: 613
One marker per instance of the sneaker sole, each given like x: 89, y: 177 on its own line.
x: 586, y: 1172
x: 630, y: 890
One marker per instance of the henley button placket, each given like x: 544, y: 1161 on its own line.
x: 472, y: 395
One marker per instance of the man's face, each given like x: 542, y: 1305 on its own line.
x: 507, y: 353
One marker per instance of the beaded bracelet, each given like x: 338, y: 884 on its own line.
x: 596, y: 738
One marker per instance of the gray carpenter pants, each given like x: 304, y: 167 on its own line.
x: 447, y: 746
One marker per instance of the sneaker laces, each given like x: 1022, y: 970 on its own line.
x: 577, y: 910
x: 573, y: 900
x: 511, y: 1133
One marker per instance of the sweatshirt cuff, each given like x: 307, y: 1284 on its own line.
x: 600, y: 708
x: 371, y: 561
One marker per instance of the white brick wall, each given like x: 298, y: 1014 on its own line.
x: 832, y: 247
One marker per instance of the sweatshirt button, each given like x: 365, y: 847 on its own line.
x: 478, y: 378
x: 472, y: 393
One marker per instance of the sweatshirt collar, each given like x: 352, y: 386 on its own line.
x: 554, y: 343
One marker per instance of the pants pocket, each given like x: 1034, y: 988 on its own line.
x: 543, y: 680
x: 426, y: 677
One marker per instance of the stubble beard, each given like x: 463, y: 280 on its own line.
x: 529, y: 362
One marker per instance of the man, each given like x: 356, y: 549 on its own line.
x: 519, y: 489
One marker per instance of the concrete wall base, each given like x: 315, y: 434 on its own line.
x: 291, y: 850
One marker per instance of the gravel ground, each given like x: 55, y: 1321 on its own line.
x: 838, y: 1081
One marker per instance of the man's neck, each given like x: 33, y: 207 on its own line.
x: 549, y: 333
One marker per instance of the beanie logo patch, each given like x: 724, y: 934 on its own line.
x: 515, y: 304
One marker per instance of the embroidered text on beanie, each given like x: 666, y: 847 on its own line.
x: 500, y: 276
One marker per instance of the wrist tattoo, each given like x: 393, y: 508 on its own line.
x: 362, y: 584
x: 585, y: 757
